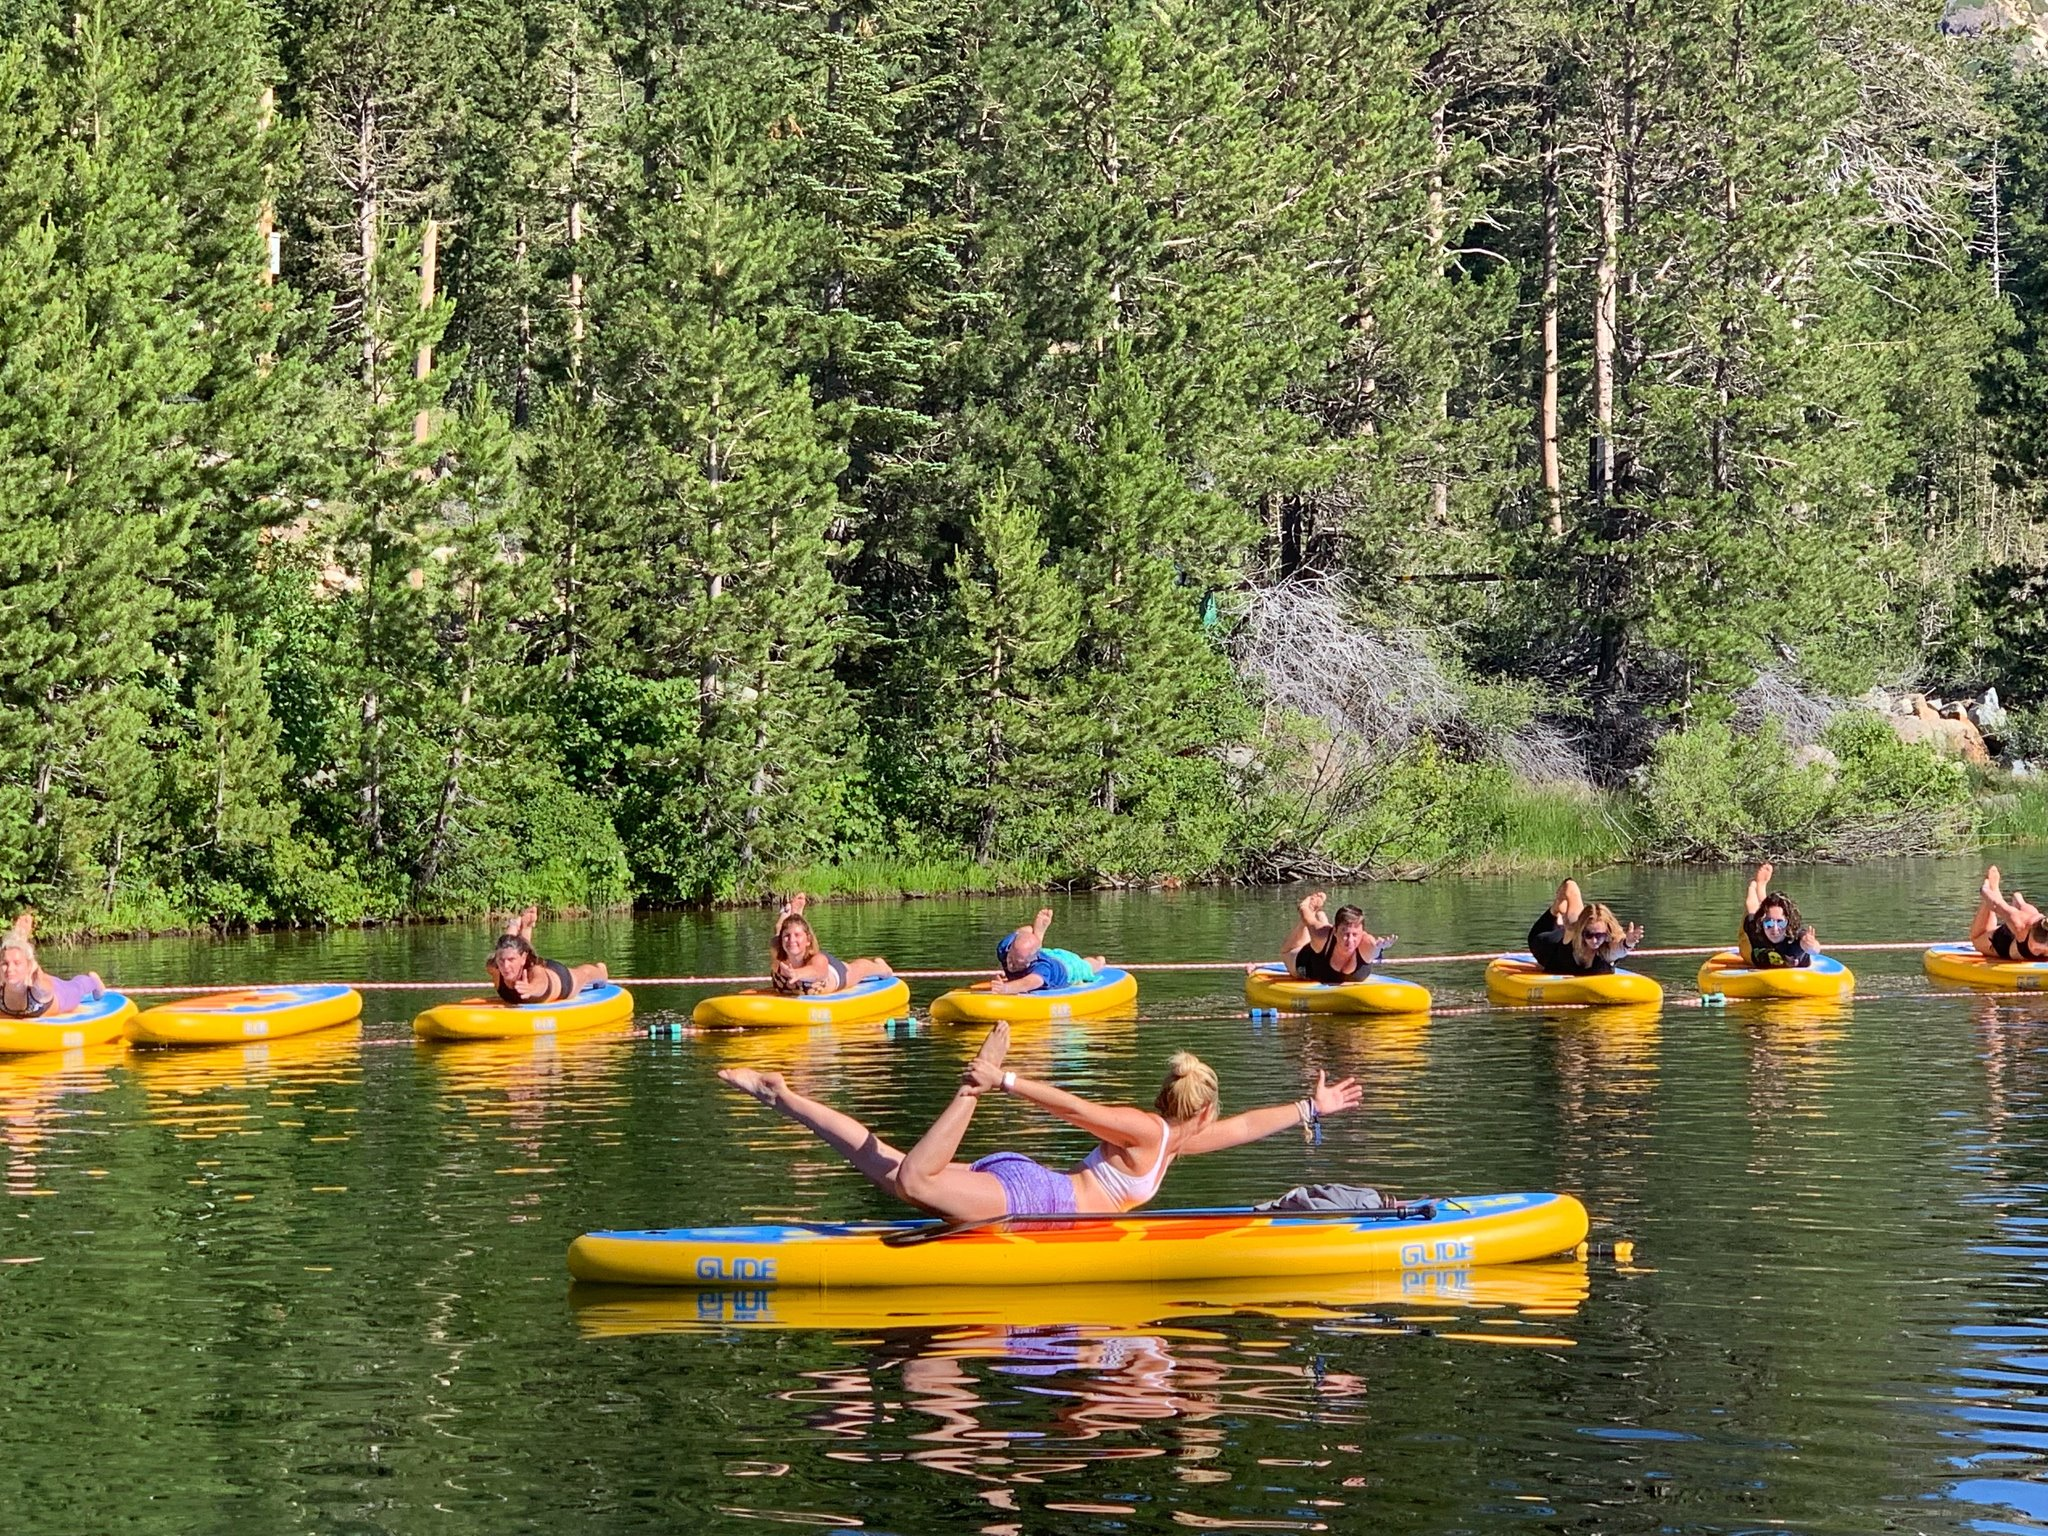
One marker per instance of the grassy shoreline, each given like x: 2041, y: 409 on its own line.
x: 1535, y: 829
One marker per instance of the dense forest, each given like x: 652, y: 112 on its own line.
x: 592, y: 450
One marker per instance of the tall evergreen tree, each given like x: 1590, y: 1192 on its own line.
x: 1012, y: 630
x: 722, y: 559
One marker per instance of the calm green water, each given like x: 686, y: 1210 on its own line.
x: 318, y: 1286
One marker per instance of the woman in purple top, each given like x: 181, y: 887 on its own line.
x: 27, y: 991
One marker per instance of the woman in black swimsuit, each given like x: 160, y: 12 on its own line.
x: 2007, y: 927
x: 1774, y: 936
x: 1334, y: 951
x: 1575, y: 937
x: 521, y: 976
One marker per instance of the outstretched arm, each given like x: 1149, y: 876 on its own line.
x: 1619, y: 946
x: 1328, y: 1098
x: 1120, y: 1125
x: 1030, y: 981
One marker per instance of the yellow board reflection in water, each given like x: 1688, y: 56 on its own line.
x: 1553, y: 1289
x: 37, y: 1095
x: 522, y: 1095
x: 209, y: 1091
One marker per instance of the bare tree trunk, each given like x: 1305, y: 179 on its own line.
x: 367, y: 235
x: 423, y: 361
x: 1546, y: 419
x: 266, y: 213
x: 1995, y: 257
x: 575, y: 202
x: 1606, y: 314
x: 1721, y: 469
x: 522, y: 377
x: 1440, y: 485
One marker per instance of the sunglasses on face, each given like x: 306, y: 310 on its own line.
x: 1596, y: 935
x: 1774, y: 922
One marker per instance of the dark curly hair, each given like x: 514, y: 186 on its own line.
x: 1753, y: 925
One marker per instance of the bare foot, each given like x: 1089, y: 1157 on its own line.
x: 765, y: 1086
x: 1990, y: 886
x: 995, y: 1047
x: 1311, y: 906
x: 1764, y: 872
x: 794, y: 907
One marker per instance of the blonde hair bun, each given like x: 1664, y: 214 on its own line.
x: 1189, y: 1089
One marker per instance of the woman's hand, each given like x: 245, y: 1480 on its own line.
x: 1333, y: 1098
x: 1631, y: 936
x: 981, y: 1075
x: 1809, y: 940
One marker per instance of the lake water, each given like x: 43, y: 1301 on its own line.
x: 318, y: 1285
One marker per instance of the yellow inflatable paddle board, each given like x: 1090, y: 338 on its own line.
x: 870, y: 1002
x: 1961, y: 964
x: 1725, y: 975
x: 486, y: 1018
x: 1449, y: 1233
x: 96, y: 1023
x: 1518, y: 981
x: 1111, y: 990
x: 259, y: 1013
x: 1271, y: 987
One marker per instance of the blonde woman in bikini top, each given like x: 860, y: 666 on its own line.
x: 1134, y: 1147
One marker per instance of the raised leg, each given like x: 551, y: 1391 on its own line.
x: 928, y: 1175
x: 858, y: 971
x: 873, y: 1157
x: 1989, y: 901
x: 1312, y: 922
x: 589, y: 975
x: 1759, y: 888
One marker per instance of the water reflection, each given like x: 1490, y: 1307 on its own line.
x: 43, y: 1103
x: 222, y: 1090
x: 1038, y: 1386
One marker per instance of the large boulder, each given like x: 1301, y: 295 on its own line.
x: 1953, y: 735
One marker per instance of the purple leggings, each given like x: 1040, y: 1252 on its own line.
x: 1029, y: 1187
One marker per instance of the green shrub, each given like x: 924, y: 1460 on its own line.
x: 1716, y: 794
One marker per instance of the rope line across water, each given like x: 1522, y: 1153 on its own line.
x: 975, y: 974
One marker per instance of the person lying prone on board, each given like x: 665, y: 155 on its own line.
x: 1028, y: 964
x: 797, y: 967
x: 522, y: 977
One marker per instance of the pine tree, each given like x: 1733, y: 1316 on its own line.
x: 235, y: 856
x: 96, y: 372
x: 1150, y: 687
x: 1013, y: 628
x: 722, y: 561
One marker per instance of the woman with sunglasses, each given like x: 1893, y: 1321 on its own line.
x: 1773, y: 934
x: 1576, y: 937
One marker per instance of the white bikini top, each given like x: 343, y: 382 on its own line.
x: 1128, y: 1191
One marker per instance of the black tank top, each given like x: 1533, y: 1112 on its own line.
x: 1314, y: 965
